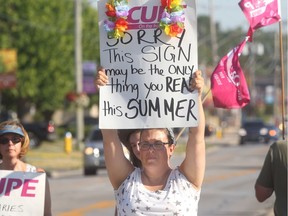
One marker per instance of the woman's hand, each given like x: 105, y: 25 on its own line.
x: 197, y: 83
x: 101, y: 78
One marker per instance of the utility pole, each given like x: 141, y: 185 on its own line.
x: 78, y: 73
x: 213, y: 34
x: 277, y: 75
x: 252, y: 68
x: 214, y: 46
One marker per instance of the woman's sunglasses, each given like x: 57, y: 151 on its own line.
x: 14, y: 140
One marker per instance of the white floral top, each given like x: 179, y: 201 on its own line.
x: 30, y: 168
x: 178, y: 198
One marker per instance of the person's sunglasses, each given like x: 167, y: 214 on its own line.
x: 14, y: 140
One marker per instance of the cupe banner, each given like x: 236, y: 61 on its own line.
x: 149, y: 72
x: 22, y: 193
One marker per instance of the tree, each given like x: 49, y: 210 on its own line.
x: 43, y: 34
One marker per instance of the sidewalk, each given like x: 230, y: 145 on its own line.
x: 64, y: 173
x: 228, y: 136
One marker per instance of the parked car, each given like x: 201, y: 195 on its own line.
x: 93, y: 153
x: 257, y: 131
x: 37, y: 131
x: 40, y: 131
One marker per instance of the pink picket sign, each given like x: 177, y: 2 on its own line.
x: 260, y: 13
x: 228, y: 84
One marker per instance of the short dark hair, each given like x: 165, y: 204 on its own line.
x: 168, y: 131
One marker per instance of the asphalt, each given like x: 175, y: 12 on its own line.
x: 225, y: 137
x: 219, y: 138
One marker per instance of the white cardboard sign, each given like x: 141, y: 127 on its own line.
x: 22, y: 193
x: 148, y: 71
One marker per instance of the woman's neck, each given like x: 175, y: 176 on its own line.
x: 155, y: 180
x: 14, y: 164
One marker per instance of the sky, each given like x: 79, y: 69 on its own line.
x: 228, y: 13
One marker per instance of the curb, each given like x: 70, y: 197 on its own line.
x: 229, y: 138
x: 64, y: 173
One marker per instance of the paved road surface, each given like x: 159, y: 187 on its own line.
x: 228, y: 188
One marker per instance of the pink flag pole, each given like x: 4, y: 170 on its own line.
x: 282, y: 80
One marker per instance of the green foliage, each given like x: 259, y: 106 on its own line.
x: 2, y: 66
x: 90, y: 38
x: 204, y: 41
x: 43, y: 31
x: 265, y: 65
x: 43, y: 34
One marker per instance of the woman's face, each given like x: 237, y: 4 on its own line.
x: 10, y: 145
x: 155, y: 147
x: 134, y: 140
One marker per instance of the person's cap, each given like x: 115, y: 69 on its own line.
x: 124, y: 135
x: 11, y: 129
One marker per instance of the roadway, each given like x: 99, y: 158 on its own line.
x: 228, y: 188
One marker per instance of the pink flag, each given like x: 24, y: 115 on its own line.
x: 228, y: 83
x: 260, y: 13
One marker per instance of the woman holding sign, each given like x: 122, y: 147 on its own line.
x: 14, y: 144
x: 155, y: 188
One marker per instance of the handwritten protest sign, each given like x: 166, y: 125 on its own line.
x: 149, y: 72
x: 22, y: 193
